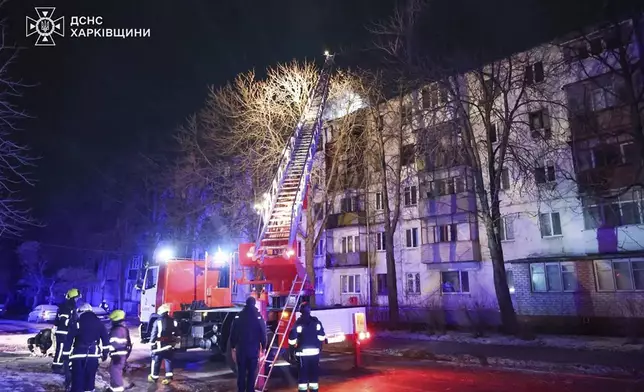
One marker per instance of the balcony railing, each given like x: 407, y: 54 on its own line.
x: 344, y: 260
x: 447, y: 204
x: 345, y: 219
x: 600, y: 123
x: 450, y: 252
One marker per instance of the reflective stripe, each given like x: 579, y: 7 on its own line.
x: 308, y: 352
x: 63, y: 315
x: 76, y: 356
x: 164, y: 348
x: 108, y: 347
x: 298, y: 329
x: 302, y: 387
x: 152, y: 370
x: 292, y: 341
x: 321, y: 338
x: 117, y: 353
x: 314, y: 385
x: 169, y: 374
x: 67, y: 352
x: 318, y: 327
x: 118, y: 340
x: 117, y: 389
x: 61, y: 332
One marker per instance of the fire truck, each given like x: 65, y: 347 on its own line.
x: 199, y: 291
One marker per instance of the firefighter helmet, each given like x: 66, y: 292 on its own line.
x: 72, y: 293
x: 305, y: 308
x: 85, y: 307
x: 117, y: 315
x: 165, y: 308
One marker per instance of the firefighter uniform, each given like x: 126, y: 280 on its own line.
x: 65, y: 317
x: 86, y: 342
x: 164, y: 331
x: 248, y: 336
x: 120, y: 349
x: 307, y: 335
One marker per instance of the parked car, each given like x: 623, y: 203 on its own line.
x: 101, y: 313
x: 43, y: 313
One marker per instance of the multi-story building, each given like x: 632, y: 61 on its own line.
x: 571, y: 226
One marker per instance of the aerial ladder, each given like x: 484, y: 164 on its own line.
x: 274, y: 249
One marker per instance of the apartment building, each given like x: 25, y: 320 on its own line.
x: 571, y: 227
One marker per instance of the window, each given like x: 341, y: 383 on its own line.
x: 613, y: 275
x: 539, y: 124
x: 319, y: 282
x: 349, y: 204
x: 382, y: 284
x: 492, y: 133
x: 455, y: 282
x: 407, y: 114
x: 350, y: 284
x: 411, y: 237
x: 606, y: 155
x: 505, y: 179
x: 553, y: 277
x: 545, y: 174
x: 534, y: 73
x: 380, y: 205
x: 448, y: 186
x: 550, y: 224
x: 408, y: 155
x: 411, y: 196
x: 319, y: 248
x: 350, y: 244
x: 413, y: 283
x: 447, y: 233
x: 625, y: 210
x: 629, y: 153
x: 299, y: 248
x: 380, y: 241
x: 509, y: 277
x: 433, y: 96
x: 506, y: 228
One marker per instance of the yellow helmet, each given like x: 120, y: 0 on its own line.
x: 72, y: 293
x: 117, y: 315
x: 165, y: 308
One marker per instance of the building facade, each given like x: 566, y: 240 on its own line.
x: 571, y: 207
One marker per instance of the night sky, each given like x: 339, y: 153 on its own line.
x: 96, y: 99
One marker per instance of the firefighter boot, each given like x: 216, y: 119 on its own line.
x: 151, y: 379
x: 166, y: 381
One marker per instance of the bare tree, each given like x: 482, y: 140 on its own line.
x: 14, y: 158
x: 35, y: 266
x: 498, y: 118
x: 232, y: 147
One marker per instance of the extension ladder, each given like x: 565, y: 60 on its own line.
x: 280, y: 336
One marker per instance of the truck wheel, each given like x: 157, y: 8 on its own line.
x: 229, y: 358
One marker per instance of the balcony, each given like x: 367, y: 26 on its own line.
x: 346, y: 219
x: 450, y: 252
x: 447, y: 205
x: 600, y: 123
x: 603, y: 179
x: 347, y: 260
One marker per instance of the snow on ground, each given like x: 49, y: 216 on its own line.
x: 560, y: 341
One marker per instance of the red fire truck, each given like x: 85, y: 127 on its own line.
x: 199, y: 291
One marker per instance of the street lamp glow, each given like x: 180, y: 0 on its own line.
x: 165, y: 254
x: 326, y: 53
x: 220, y: 257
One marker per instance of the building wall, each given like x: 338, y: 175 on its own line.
x: 578, y: 248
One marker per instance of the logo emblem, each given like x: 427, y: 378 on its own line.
x: 45, y: 26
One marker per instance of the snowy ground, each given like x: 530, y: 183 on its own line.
x: 559, y: 341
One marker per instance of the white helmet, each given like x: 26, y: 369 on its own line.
x: 165, y: 308
x: 85, y: 307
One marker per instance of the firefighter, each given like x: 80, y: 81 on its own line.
x: 83, y: 345
x: 121, y: 347
x: 65, y: 317
x: 164, y: 332
x: 247, y: 342
x: 307, y: 336
x: 42, y: 341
